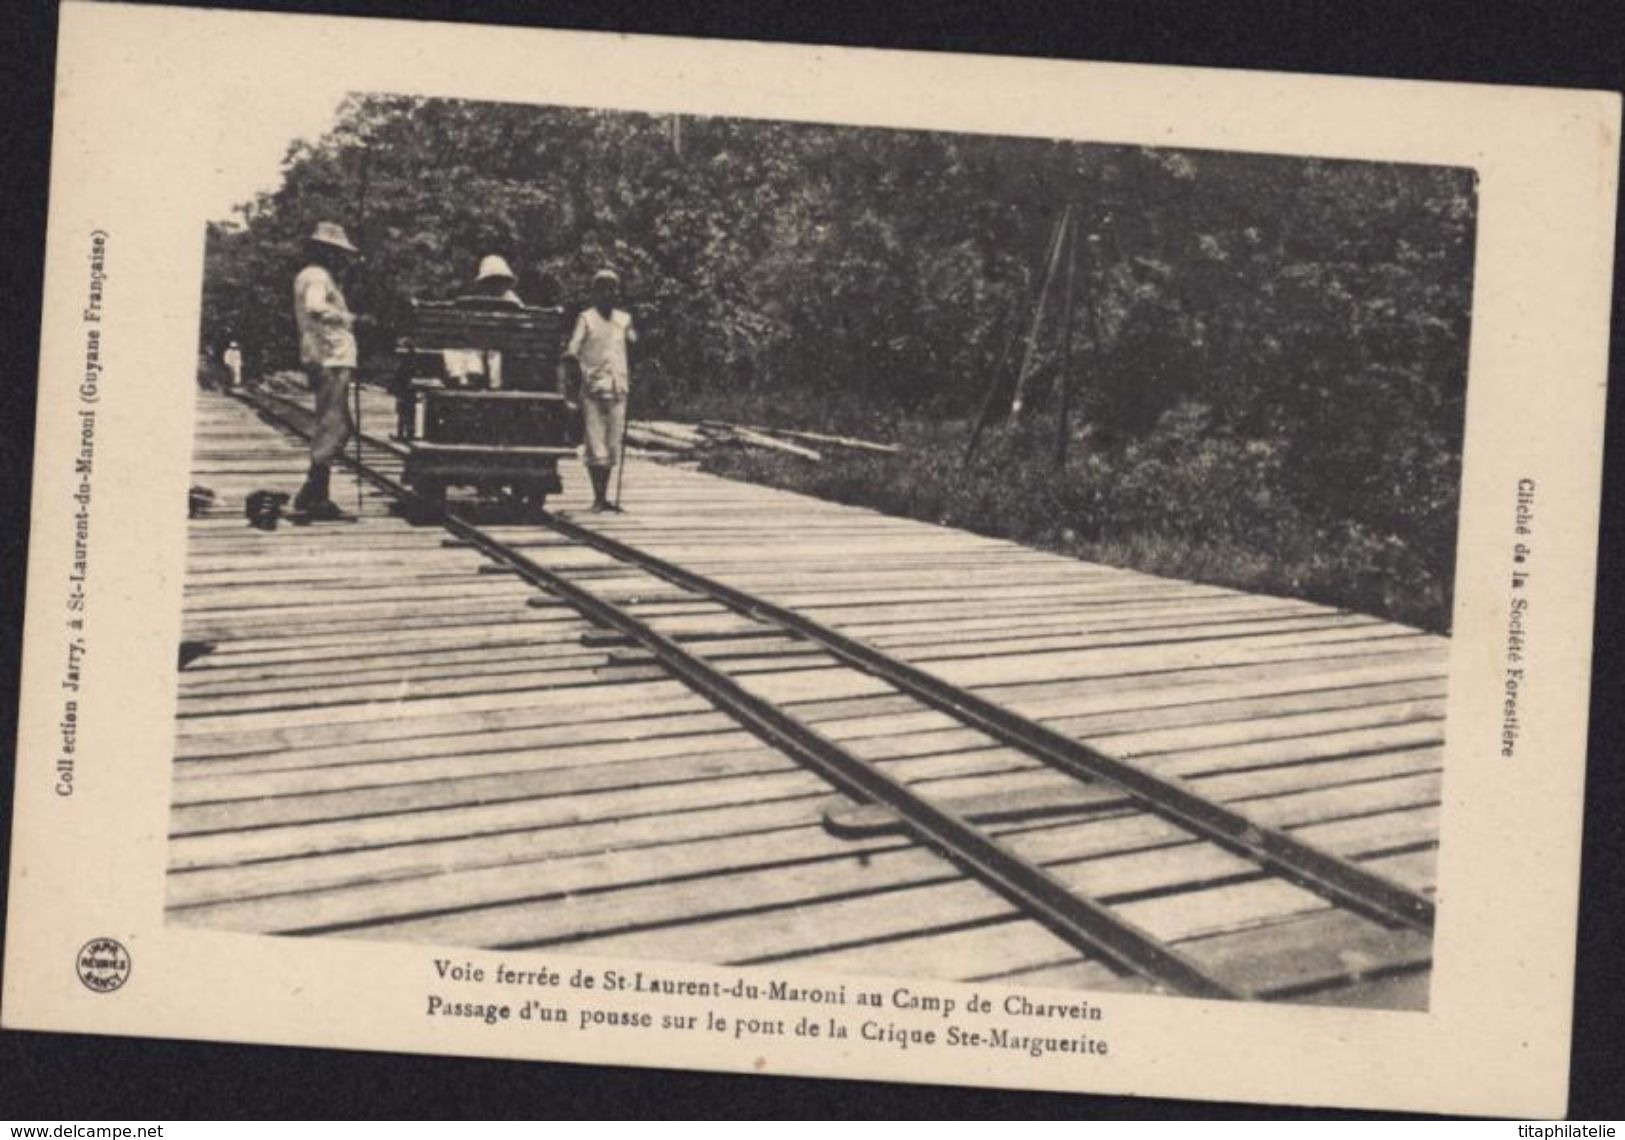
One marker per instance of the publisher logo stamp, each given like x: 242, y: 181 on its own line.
x: 103, y: 965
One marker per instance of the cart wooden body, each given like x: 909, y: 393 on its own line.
x: 479, y: 401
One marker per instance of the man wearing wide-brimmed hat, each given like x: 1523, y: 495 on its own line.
x: 327, y: 353
x: 597, y: 359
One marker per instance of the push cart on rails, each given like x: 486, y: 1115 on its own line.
x: 480, y: 403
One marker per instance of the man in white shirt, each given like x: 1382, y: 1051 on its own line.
x: 327, y: 353
x: 597, y: 360
x: 233, y: 360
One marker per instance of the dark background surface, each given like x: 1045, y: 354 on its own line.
x: 55, y: 1077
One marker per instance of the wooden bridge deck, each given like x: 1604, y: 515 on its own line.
x: 387, y: 740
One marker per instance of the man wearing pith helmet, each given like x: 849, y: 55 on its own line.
x: 492, y: 288
x: 495, y: 282
x: 327, y: 352
x: 597, y: 361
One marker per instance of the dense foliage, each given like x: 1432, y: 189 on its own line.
x: 1269, y: 353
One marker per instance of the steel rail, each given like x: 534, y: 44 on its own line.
x: 1072, y: 915
x: 1077, y: 918
x: 1339, y: 880
x: 1334, y: 878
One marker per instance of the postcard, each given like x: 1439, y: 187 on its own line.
x: 791, y: 560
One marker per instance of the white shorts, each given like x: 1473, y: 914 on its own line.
x: 604, y: 423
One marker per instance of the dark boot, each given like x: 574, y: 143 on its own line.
x: 315, y: 489
x: 600, y: 487
x: 615, y: 506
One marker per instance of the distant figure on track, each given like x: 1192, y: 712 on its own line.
x: 596, y: 360
x: 328, y: 354
x: 232, y: 358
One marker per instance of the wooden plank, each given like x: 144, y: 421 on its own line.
x: 844, y: 716
x: 837, y: 440
x: 481, y: 751
x: 1046, y: 797
x: 522, y: 767
x: 986, y: 946
x: 473, y: 851
x: 1352, y: 732
x: 399, y: 888
x: 801, y: 908
x: 737, y: 433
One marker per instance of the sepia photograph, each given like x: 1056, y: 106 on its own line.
x: 776, y: 560
x: 906, y: 553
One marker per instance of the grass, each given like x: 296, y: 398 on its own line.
x: 1185, y: 503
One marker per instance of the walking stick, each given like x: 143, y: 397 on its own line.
x: 363, y: 173
x: 355, y: 388
x: 620, y: 449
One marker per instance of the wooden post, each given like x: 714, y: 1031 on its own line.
x: 1061, y: 228
x: 984, y: 414
x: 1096, y: 289
x: 1064, y: 379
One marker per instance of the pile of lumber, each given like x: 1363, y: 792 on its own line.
x: 687, y: 441
x: 664, y: 435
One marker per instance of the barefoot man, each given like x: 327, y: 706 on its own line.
x: 597, y: 361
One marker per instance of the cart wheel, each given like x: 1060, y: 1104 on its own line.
x: 431, y: 495
x: 535, y: 499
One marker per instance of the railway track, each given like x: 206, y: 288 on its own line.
x: 751, y: 629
